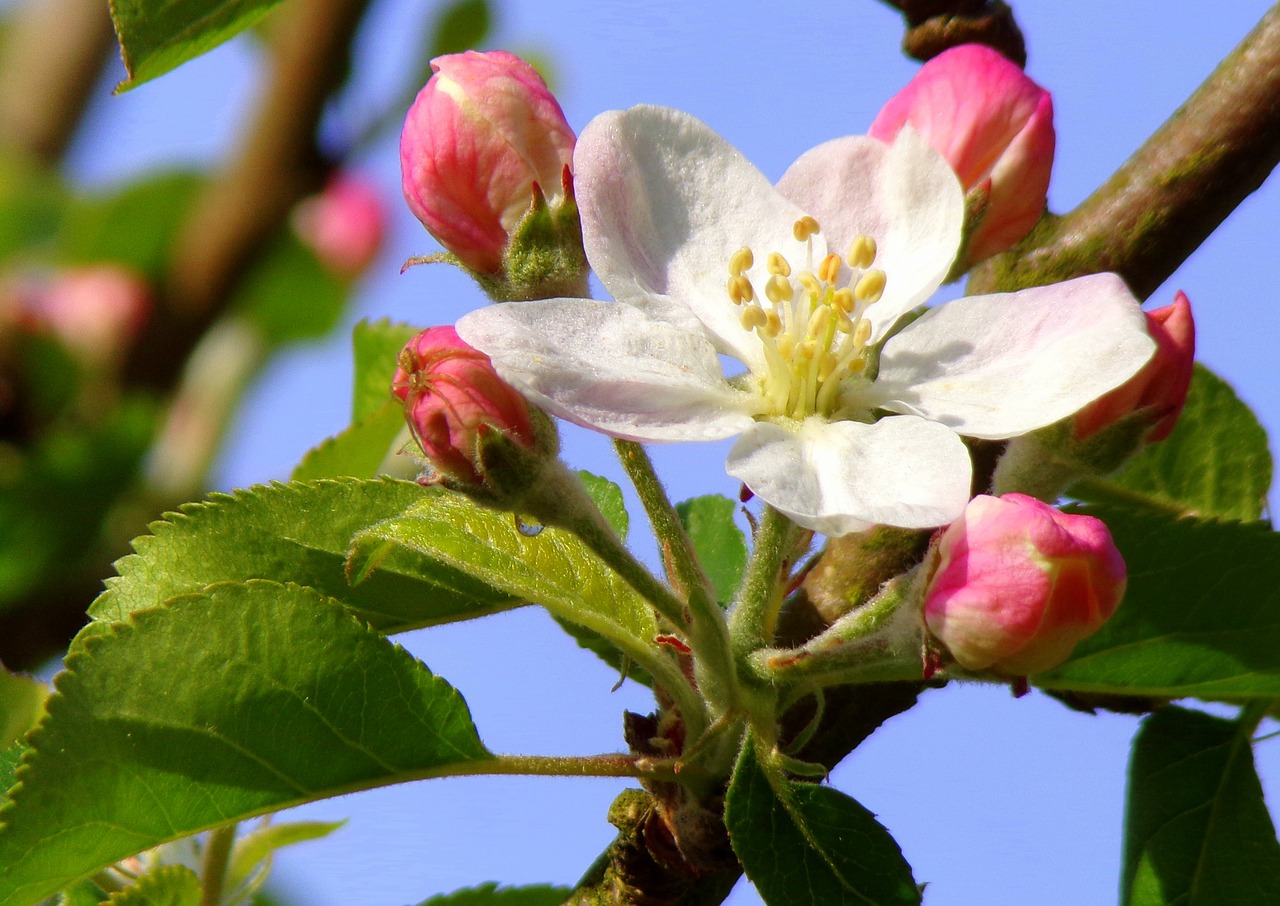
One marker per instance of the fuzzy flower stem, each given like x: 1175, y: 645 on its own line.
x: 707, y: 629
x: 755, y: 612
x: 213, y: 865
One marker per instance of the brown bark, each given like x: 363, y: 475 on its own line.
x: 935, y: 25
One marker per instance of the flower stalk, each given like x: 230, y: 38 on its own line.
x: 755, y: 612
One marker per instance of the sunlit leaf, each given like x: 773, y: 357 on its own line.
x: 806, y: 843
x: 1197, y: 831
x: 216, y: 708
x: 376, y: 345
x: 717, y: 540
x: 358, y: 451
x: 254, y: 850
x: 493, y: 895
x: 21, y: 705
x: 168, y: 885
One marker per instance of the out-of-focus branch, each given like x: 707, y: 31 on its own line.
x: 50, y: 59
x: 276, y: 165
x: 935, y: 25
x: 1174, y: 191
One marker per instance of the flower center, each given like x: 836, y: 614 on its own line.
x: 810, y: 322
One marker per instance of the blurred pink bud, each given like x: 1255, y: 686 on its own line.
x: 451, y: 393
x: 344, y: 224
x: 481, y: 132
x: 1019, y: 583
x: 1160, y: 388
x: 993, y: 125
x: 93, y: 310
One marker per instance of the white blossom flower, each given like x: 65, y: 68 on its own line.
x: 843, y: 422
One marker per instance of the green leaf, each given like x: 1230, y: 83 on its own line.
x: 717, y: 541
x: 357, y: 452
x: 608, y: 497
x: 221, y: 706
x: 10, y: 758
x: 1216, y: 463
x: 21, y: 706
x: 1197, y: 831
x: 86, y: 893
x: 462, y: 25
x: 1200, y: 616
x: 168, y: 885
x: 290, y: 294
x: 134, y: 224
x: 297, y: 533
x: 376, y: 345
x: 157, y: 37
x: 254, y: 850
x: 32, y: 202
x: 552, y: 568
x: 493, y: 895
x: 802, y: 843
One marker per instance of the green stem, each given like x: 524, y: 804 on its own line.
x: 755, y: 613
x: 708, y: 632
x: 213, y: 865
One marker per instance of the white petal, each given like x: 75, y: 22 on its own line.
x: 665, y: 202
x: 903, y: 195
x: 842, y: 477
x: 1002, y: 365
x: 610, y: 367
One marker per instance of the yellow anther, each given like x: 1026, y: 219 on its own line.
x: 753, y: 316
x: 786, y: 345
x: 740, y: 289
x: 811, y: 284
x: 862, y: 252
x: 808, y: 349
x: 870, y: 286
x: 741, y: 261
x: 827, y: 366
x: 829, y: 269
x: 843, y: 299
x: 843, y: 323
x: 772, y: 324
x: 856, y: 366
x: 862, y: 333
x: 779, y: 289
x: 805, y: 227
x: 818, y: 323
x: 779, y: 265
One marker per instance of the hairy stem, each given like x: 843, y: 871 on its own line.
x: 213, y: 864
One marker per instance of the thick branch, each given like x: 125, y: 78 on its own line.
x: 935, y: 25
x: 1174, y: 191
x: 50, y: 59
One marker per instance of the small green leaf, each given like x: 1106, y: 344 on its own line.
x: 290, y: 294
x: 1216, y: 463
x: 803, y: 843
x: 461, y: 25
x: 297, y: 533
x: 10, y: 758
x: 493, y: 895
x: 608, y: 497
x: 717, y: 541
x: 552, y: 568
x: 21, y: 705
x: 1200, y: 616
x: 255, y: 849
x: 376, y: 345
x: 219, y: 707
x: 1197, y: 831
x: 357, y: 452
x: 168, y: 885
x: 157, y: 37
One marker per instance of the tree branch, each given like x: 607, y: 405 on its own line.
x: 936, y: 25
x: 1173, y: 192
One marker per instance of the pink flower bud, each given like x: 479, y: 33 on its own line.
x: 1160, y: 388
x: 479, y: 135
x: 344, y: 225
x: 1019, y: 583
x: 451, y: 393
x: 993, y: 125
x: 93, y: 310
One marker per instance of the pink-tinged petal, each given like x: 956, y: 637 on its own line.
x: 665, y: 203
x: 903, y: 195
x: 1002, y: 365
x: 610, y: 367
x: 842, y: 477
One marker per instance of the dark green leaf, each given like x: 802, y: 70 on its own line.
x: 297, y: 533
x: 1197, y: 830
x: 376, y: 345
x: 157, y: 37
x: 290, y: 294
x: 1200, y: 617
x: 493, y: 895
x: 462, y: 25
x: 21, y: 706
x: 168, y: 885
x: 216, y: 708
x: 803, y: 843
x: 1216, y: 463
x: 717, y: 540
x: 134, y: 225
x: 357, y: 452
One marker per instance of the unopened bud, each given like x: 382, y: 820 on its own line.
x: 1018, y: 583
x: 344, y: 224
x: 95, y: 310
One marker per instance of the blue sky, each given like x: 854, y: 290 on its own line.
x: 994, y: 800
